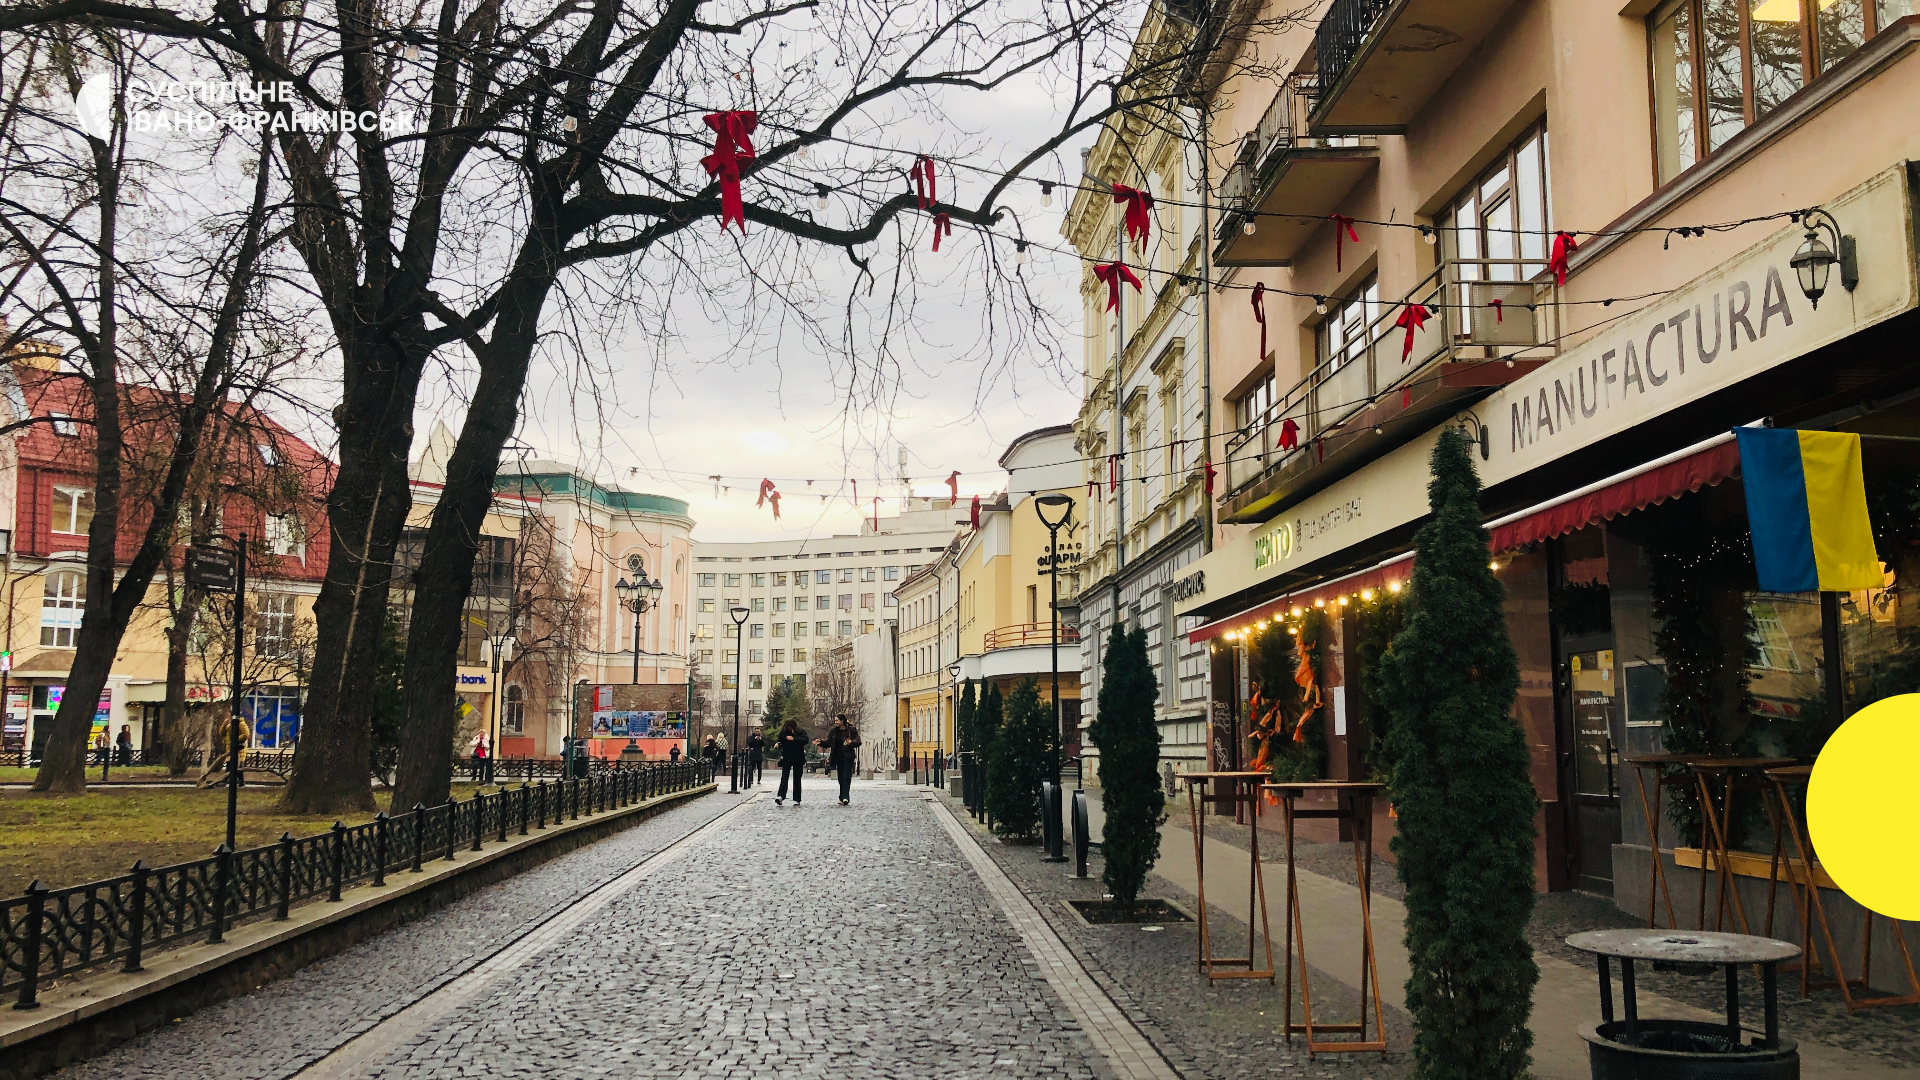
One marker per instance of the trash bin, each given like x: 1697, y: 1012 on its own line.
x: 1633, y: 1048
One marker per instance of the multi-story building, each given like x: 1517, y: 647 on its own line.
x: 1143, y: 421
x: 929, y: 654
x: 270, y: 486
x: 1592, y: 239
x: 802, y: 597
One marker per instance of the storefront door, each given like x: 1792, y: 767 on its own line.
x: 1590, y: 705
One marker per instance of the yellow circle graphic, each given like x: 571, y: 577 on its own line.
x: 1863, y: 807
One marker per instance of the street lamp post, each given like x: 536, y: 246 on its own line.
x: 498, y: 651
x: 953, y: 708
x: 639, y: 596
x: 739, y: 616
x: 1060, y: 507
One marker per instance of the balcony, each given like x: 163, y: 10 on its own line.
x: 1027, y: 635
x: 1364, y: 401
x: 1381, y: 60
x: 1281, y: 170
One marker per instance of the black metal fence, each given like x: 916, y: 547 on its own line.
x: 50, y: 933
x: 1340, y: 34
x: 22, y: 758
x: 928, y: 770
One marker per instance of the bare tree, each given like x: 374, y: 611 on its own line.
x: 835, y: 685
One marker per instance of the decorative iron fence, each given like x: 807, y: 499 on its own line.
x: 1342, y: 30
x: 51, y: 933
x: 21, y: 758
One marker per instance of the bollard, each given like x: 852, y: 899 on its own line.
x: 1081, y: 837
x: 137, y: 924
x: 1050, y: 821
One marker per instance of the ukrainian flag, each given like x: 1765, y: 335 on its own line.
x: 1807, y: 507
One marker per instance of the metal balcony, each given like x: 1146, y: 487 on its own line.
x: 1279, y: 170
x: 1380, y: 61
x: 1023, y: 635
x: 1357, y: 405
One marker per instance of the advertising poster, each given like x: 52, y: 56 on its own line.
x: 603, y: 724
x: 619, y: 727
x: 641, y: 724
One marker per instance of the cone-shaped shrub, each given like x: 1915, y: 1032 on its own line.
x: 1465, y: 801
x: 1129, y: 743
x: 1019, y: 757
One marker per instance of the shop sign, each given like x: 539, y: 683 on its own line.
x: 1273, y: 546
x: 1190, y: 586
x: 472, y: 680
x: 1287, y: 538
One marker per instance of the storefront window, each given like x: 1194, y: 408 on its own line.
x: 274, y: 712
x: 62, y: 606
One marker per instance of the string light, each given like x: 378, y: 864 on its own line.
x: 569, y: 124
x: 1019, y: 253
x: 1366, y: 596
x: 821, y: 191
x: 1249, y: 227
x: 1393, y: 587
x: 413, y: 51
x: 1320, y: 305
x: 1428, y: 234
x: 1493, y: 566
x: 1046, y: 193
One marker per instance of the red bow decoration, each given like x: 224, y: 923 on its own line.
x: 1113, y: 471
x: 973, y: 512
x: 953, y: 485
x: 732, y: 146
x: 1289, y: 434
x: 1564, y: 245
x: 1260, y: 316
x: 1210, y: 476
x: 1112, y: 274
x: 774, y: 498
x: 1499, y: 310
x: 1319, y: 450
x: 942, y: 226
x: 1093, y: 490
x: 1412, y: 317
x: 766, y: 488
x: 1138, y: 218
x: 1341, y: 222
x: 1406, y: 396
x: 925, y: 188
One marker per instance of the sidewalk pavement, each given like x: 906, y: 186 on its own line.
x: 1566, y: 998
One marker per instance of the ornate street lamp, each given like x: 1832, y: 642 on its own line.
x: 495, y: 651
x: 1055, y: 511
x: 739, y: 615
x: 1815, y: 260
x: 640, y: 595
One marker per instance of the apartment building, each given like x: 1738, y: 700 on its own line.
x: 1592, y: 239
x: 802, y: 597
x: 1142, y: 428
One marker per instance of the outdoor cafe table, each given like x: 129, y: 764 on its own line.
x: 1354, y: 804
x: 1703, y: 770
x: 1242, y: 788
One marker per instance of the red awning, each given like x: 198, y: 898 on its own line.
x: 1700, y: 465
x: 1655, y: 482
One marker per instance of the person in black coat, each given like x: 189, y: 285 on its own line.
x: 756, y: 757
x: 840, y: 744
x: 793, y: 761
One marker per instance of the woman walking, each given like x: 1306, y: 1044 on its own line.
x: 793, y: 761
x: 840, y: 744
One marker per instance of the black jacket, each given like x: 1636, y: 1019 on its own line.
x: 793, y: 749
x: 756, y: 746
x: 841, y: 743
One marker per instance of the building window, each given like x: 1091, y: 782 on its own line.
x: 759, y: 630
x: 707, y: 580
x: 732, y: 631
x: 72, y: 510
x: 1342, y: 335
x: 779, y: 603
x: 799, y: 629
x: 866, y: 626
x: 823, y: 629
x: 733, y: 581
x: 892, y: 600
x: 756, y: 656
x: 62, y: 606
x: 705, y: 630
x: 730, y: 656
x: 892, y: 573
x: 846, y: 573
x: 1252, y: 405
x: 823, y: 577
x: 799, y: 656
x: 780, y: 579
x: 285, y: 537
x: 273, y: 625
x: 727, y: 682
x: 846, y: 627
x: 759, y: 603
x: 706, y: 604
x: 63, y: 424
x: 779, y: 656
x: 866, y: 573
x: 799, y: 603
x: 846, y: 601
x: 1717, y: 68
x: 753, y: 707
x: 779, y: 629
x: 866, y: 601
x: 758, y: 581
x: 1504, y: 216
x: 513, y: 713
x: 706, y: 656
x: 268, y: 455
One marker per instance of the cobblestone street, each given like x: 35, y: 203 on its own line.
x: 836, y: 941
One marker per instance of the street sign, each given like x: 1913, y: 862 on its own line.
x: 210, y: 568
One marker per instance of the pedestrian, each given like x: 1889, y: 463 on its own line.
x: 673, y: 755
x: 841, y: 742
x: 123, y: 745
x: 793, y: 760
x: 711, y: 751
x: 756, y: 757
x: 100, y: 745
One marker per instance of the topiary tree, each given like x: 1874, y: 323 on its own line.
x: 963, y: 719
x: 1018, y: 761
x: 1129, y: 741
x: 987, y: 715
x: 1465, y: 801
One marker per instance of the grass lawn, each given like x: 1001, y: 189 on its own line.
x: 70, y: 839
x: 12, y: 775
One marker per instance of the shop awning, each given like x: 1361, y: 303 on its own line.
x: 1701, y: 465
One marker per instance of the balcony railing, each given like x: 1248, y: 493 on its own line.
x: 1464, y: 326
x: 1343, y: 29
x: 1295, y: 178
x: 1021, y: 635
x: 1263, y: 150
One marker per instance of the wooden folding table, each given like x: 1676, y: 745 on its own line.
x: 1242, y: 788
x: 1653, y: 767
x: 1354, y: 804
x: 1716, y: 827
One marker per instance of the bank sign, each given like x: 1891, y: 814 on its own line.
x: 1741, y: 319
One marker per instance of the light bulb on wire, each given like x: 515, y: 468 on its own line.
x: 1046, y: 193
x: 1248, y: 227
x: 413, y: 51
x: 1320, y: 305
x: 1019, y: 253
x: 821, y: 191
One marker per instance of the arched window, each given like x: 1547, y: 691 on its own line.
x: 513, y: 717
x: 63, y: 605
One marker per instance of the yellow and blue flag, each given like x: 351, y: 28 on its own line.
x: 1807, y: 507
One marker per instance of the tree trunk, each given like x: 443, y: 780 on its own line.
x: 173, y: 713
x: 366, y: 511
